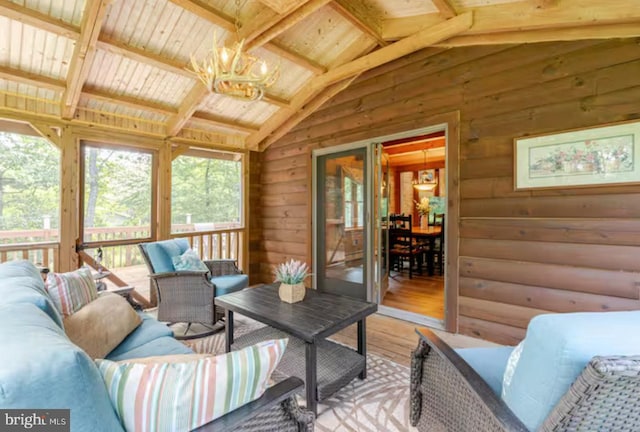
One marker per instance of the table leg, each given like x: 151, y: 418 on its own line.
x: 431, y: 256
x: 362, y: 345
x: 311, y: 383
x: 228, y: 329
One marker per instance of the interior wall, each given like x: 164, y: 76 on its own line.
x: 521, y: 253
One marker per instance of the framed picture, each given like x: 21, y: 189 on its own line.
x: 426, y: 176
x: 601, y: 155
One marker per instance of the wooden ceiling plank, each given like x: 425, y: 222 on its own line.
x: 220, y: 121
x: 308, y: 109
x: 195, y: 97
x: 282, y: 6
x: 606, y: 31
x: 37, y: 19
x: 417, y: 146
x: 259, y: 23
x: 358, y: 20
x: 445, y: 8
x: 32, y: 79
x: 415, y: 42
x: 128, y: 101
x: 287, y: 22
x: 93, y: 15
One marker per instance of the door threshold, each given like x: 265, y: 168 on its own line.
x: 413, y: 317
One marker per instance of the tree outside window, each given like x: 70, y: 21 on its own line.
x: 353, y: 203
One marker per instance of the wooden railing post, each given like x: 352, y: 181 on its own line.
x: 164, y: 192
x: 69, y: 183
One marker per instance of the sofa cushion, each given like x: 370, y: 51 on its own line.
x: 556, y: 349
x: 202, y: 390
x: 149, y: 330
x: 229, y: 283
x: 101, y: 325
x: 160, y: 346
x: 42, y: 369
x: 71, y: 291
x: 189, y: 261
x: 489, y: 363
x: 161, y: 253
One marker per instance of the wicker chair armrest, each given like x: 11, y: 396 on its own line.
x: 222, y: 267
x: 180, y: 274
x: 281, y: 393
x: 447, y: 394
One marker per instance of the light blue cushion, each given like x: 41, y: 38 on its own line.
x: 227, y: 284
x: 489, y: 363
x: 20, y: 282
x: 189, y: 261
x: 41, y: 368
x: 149, y: 330
x: 556, y: 350
x: 161, y: 253
x: 162, y: 346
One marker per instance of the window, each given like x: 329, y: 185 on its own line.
x: 206, y: 192
x: 118, y: 197
x: 353, y: 203
x: 29, y: 189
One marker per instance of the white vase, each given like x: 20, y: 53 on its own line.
x: 291, y: 293
x: 424, y: 222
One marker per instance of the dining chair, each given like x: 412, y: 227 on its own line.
x: 402, y: 245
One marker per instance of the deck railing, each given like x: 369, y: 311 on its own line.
x: 36, y: 246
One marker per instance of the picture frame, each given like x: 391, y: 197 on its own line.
x: 426, y: 176
x: 597, y: 156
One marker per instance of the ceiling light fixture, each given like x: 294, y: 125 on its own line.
x: 427, y: 180
x: 232, y: 72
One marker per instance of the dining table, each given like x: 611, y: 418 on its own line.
x: 429, y: 234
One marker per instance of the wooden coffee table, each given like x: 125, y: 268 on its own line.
x: 325, y: 366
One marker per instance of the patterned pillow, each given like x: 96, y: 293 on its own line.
x: 185, y: 395
x: 511, y: 368
x: 70, y: 291
x: 189, y: 261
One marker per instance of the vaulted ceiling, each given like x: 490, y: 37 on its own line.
x: 121, y: 64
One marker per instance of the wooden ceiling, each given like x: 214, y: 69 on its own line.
x: 120, y: 64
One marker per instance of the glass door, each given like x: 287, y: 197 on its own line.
x: 342, y: 233
x: 381, y: 216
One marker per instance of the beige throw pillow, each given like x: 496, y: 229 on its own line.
x: 173, y: 358
x: 101, y: 325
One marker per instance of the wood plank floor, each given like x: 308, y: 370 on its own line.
x: 422, y: 294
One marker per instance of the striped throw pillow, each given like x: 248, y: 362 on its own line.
x: 70, y: 291
x: 182, y: 396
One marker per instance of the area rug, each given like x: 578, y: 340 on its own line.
x: 378, y: 403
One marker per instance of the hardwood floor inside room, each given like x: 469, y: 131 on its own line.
x: 422, y: 294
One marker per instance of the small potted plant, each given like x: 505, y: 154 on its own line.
x: 291, y: 275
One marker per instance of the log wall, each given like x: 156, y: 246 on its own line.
x: 520, y: 253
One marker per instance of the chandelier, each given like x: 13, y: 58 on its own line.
x: 427, y: 181
x: 232, y: 72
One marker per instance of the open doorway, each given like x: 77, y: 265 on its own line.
x: 415, y: 169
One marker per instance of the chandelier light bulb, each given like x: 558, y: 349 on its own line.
x: 263, y: 68
x: 224, y: 56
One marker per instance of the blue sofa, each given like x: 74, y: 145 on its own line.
x: 41, y: 368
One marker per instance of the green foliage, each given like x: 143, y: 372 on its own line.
x: 29, y: 182
x: 207, y: 189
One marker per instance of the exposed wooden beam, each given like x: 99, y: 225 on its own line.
x: 415, y: 42
x: 308, y: 109
x: 37, y: 19
x: 129, y: 101
x: 204, y: 11
x: 286, y: 53
x: 83, y: 53
x: 178, y: 150
x: 287, y: 22
x: 195, y: 97
x: 445, y: 8
x: 260, y: 22
x: 211, y: 119
x: 389, y: 53
x: 46, y: 131
x: 607, y: 31
x: 31, y: 79
x: 344, y: 8
x: 522, y: 16
x: 416, y: 146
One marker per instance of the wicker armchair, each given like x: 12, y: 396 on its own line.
x: 447, y: 394
x: 187, y: 296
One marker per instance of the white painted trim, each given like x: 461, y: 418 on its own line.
x: 413, y: 317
